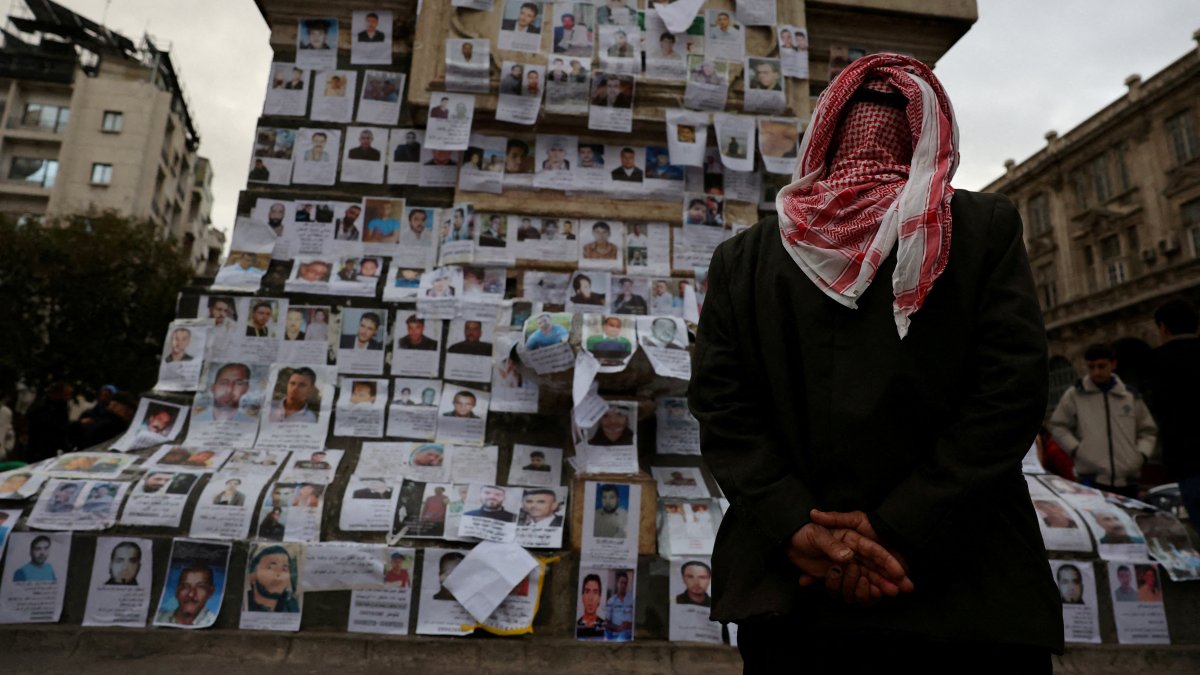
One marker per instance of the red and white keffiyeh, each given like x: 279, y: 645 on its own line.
x: 872, y: 172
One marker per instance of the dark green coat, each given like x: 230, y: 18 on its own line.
x: 805, y: 403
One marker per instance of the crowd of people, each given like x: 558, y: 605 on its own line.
x: 1104, y: 428
x: 63, y: 418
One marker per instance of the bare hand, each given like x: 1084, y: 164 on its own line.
x: 894, y: 570
x: 849, y: 563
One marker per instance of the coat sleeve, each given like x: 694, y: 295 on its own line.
x: 1004, y: 399
x: 1063, y: 422
x: 736, y: 438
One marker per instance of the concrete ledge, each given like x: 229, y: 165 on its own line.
x: 71, y: 649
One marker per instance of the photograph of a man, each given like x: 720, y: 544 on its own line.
x: 491, y: 505
x: 371, y: 32
x: 415, y: 337
x: 63, y: 498
x: 295, y: 403
x: 664, y: 333
x: 619, y: 624
x: 230, y: 384
x: 696, y: 578
x: 368, y: 326
x: 231, y: 495
x: 613, y: 428
x: 610, y: 346
x: 1125, y: 591
x: 590, y: 625
x: 611, y: 516
x: 38, y: 568
x: 410, y: 150
x: 539, y: 509
x: 628, y: 172
x: 464, y: 406
x: 192, y: 591
x: 446, y: 565
x: 471, y: 344
x: 317, y: 34
x: 365, y: 150
x: 373, y: 488
x: 124, y: 563
x: 271, y: 581
x: 316, y: 146
x: 546, y: 334
x: 537, y: 462
x: 260, y: 319
x: 526, y: 21
x: 316, y: 461
x: 766, y: 75
x: 1054, y: 514
x: 181, y: 339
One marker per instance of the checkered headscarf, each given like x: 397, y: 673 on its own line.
x: 875, y: 168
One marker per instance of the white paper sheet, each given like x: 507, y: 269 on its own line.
x: 195, y: 584
x: 119, y: 593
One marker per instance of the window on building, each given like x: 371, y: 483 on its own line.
x: 36, y: 171
x: 1114, y: 263
x: 1039, y: 214
x: 46, y: 117
x: 101, y: 174
x: 1181, y: 132
x: 1089, y: 268
x: 1047, y: 288
x: 1118, y: 157
x: 113, y: 121
x: 1080, y: 183
x: 1191, y: 223
x: 1098, y: 173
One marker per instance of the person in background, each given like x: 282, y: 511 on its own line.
x: 1174, y: 397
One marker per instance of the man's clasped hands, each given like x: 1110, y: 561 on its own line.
x: 842, y: 551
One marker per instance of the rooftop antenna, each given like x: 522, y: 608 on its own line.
x: 104, y: 17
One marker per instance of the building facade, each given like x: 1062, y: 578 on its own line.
x: 1112, y: 219
x: 90, y: 122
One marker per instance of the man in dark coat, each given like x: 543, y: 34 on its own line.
x: 1174, y: 397
x: 869, y: 435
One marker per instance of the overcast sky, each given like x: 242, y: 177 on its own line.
x: 1026, y: 66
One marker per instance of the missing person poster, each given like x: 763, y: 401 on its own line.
x: 369, y: 503
x: 483, y: 165
x: 610, y: 524
x: 546, y: 345
x: 35, y: 577
x: 119, y: 594
x: 687, y: 136
x: 195, y: 584
x: 187, y: 458
x: 316, y: 153
x: 521, y: 88
x: 72, y: 504
x: 707, y: 83
x: 665, y: 341
x: 404, y: 156
x: 611, y: 339
x: 154, y: 423
x: 272, y: 600
x: 1076, y: 580
x: 1170, y: 545
x: 1062, y: 528
x: 438, y: 612
x: 678, y: 431
x: 305, y: 335
x: 611, y: 102
x: 292, y: 512
x: 542, y: 515
x: 1137, y: 602
x: 342, y: 566
x: 298, y: 406
x: 371, y: 37
x: 687, y: 527
x: 735, y: 140
x: 361, y: 407
x: 86, y: 465
x: 666, y: 51
x: 249, y: 256
x: 449, y: 124
x: 685, y: 482
x: 779, y: 143
x: 19, y: 485
x: 536, y: 466
x: 793, y: 51
x: 691, y: 601
x: 184, y: 351
x: 521, y: 27
x: 606, y: 603
x: 360, y: 343
x: 490, y: 513
x: 413, y: 412
x: 610, y: 444
x: 462, y: 415
x: 158, y: 499
x: 440, y: 291
x: 385, y: 610
x: 317, y: 42
x: 333, y: 96
x: 568, y: 84
x: 1117, y: 535
x: 226, y: 505
x: 469, y: 351
x: 764, y: 90
x: 287, y: 90
x: 318, y: 466
x: 363, y: 157
x: 468, y: 65
x: 272, y: 156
